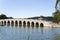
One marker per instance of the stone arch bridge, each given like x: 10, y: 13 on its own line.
x: 26, y: 22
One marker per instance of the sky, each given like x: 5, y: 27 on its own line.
x: 27, y: 8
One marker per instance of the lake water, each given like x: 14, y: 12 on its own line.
x: 28, y: 33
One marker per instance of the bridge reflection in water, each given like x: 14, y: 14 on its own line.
x: 28, y: 33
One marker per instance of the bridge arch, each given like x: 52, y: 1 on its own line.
x: 4, y: 22
x: 8, y: 22
x: 37, y: 24
x: 28, y: 23
x: 24, y: 23
x: 41, y: 25
x: 12, y: 22
x: 20, y: 23
x: 32, y: 23
x: 16, y: 22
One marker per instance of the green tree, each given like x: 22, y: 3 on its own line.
x: 56, y: 6
x: 2, y: 16
x: 56, y: 16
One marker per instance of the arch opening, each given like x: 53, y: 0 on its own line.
x: 24, y: 23
x: 1, y: 22
x: 20, y: 23
x: 28, y: 23
x: 4, y: 22
x: 8, y: 22
x: 37, y: 24
x: 12, y: 23
x: 32, y: 24
x: 16, y: 23
x: 41, y: 25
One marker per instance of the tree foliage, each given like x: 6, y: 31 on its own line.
x: 3, y: 16
x: 56, y: 16
x: 56, y: 6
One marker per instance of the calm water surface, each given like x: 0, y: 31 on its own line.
x: 28, y: 33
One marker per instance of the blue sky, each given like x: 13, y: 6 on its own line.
x: 27, y: 8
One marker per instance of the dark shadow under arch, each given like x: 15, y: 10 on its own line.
x: 12, y: 23
x: 20, y: 23
x: 28, y: 23
x: 24, y: 23
x: 4, y: 22
x: 8, y: 22
x: 37, y: 24
x: 41, y: 25
x: 16, y: 23
x: 32, y: 24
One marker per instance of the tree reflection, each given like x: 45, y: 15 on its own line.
x: 57, y: 37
